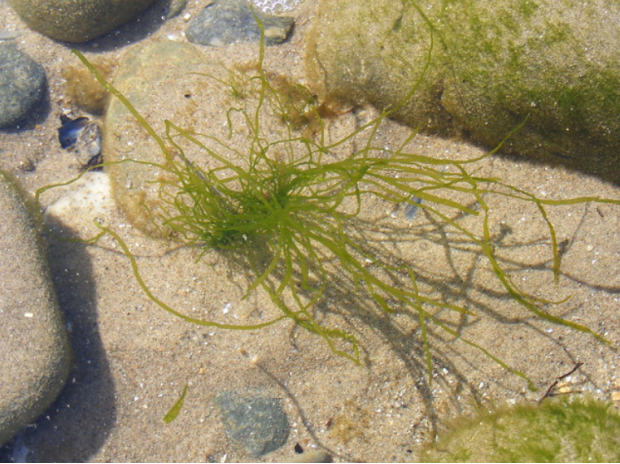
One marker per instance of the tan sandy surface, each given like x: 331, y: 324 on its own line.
x: 133, y: 359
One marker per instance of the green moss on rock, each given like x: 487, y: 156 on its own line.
x: 556, y: 431
x: 481, y: 68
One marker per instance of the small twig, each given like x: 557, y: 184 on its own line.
x: 556, y: 381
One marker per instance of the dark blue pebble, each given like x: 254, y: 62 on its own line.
x: 69, y: 131
x: 228, y: 21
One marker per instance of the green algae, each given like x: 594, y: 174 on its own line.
x: 293, y: 213
x: 558, y: 430
x: 176, y: 408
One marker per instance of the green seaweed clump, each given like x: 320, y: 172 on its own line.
x: 293, y: 209
x: 579, y: 430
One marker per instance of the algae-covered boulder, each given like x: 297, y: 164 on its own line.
x: 555, y: 431
x: 481, y: 68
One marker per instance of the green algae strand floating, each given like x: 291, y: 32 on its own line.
x: 174, y: 411
x: 250, y: 174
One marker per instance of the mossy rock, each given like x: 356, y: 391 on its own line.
x: 556, y: 431
x: 482, y: 68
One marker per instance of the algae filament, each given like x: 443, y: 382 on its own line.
x: 292, y: 210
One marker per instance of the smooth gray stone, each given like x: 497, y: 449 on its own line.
x: 22, y: 85
x: 229, y: 21
x: 35, y: 355
x: 258, y: 424
x: 77, y: 20
x: 146, y: 70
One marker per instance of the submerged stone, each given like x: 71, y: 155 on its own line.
x: 558, y: 430
x: 259, y: 424
x: 22, y: 85
x: 77, y: 20
x: 35, y: 359
x: 225, y: 22
x: 482, y: 68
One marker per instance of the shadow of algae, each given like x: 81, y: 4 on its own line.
x: 292, y: 208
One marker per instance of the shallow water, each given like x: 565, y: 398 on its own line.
x: 132, y: 358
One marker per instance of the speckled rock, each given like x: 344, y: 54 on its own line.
x: 22, y: 85
x: 35, y: 356
x: 144, y: 73
x: 191, y: 86
x: 230, y: 21
x: 259, y: 424
x: 493, y: 64
x: 77, y: 20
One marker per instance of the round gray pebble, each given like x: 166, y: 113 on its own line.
x: 258, y: 424
x: 225, y: 22
x: 22, y: 85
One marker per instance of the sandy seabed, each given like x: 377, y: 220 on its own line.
x: 133, y: 359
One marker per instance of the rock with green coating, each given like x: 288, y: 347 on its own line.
x: 77, y: 20
x: 481, y: 68
x: 556, y: 431
x: 35, y: 357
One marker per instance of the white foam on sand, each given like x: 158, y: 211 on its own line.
x: 276, y: 6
